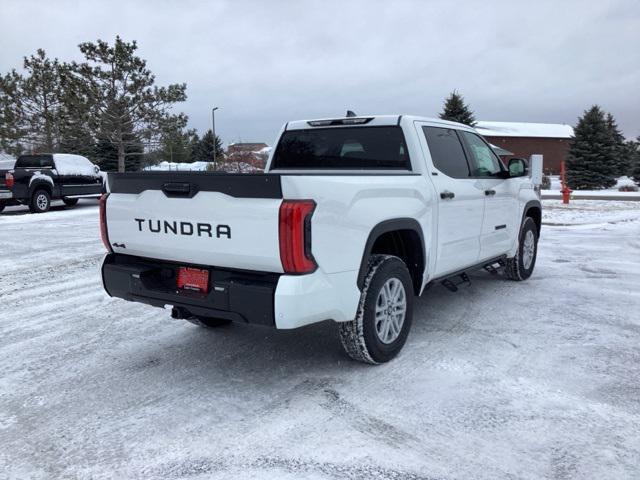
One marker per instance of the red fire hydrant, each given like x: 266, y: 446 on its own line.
x: 566, y: 191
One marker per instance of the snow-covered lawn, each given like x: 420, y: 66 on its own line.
x: 530, y: 380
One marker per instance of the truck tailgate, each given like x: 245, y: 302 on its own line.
x: 197, y: 218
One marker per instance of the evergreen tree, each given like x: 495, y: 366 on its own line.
x: 634, y: 148
x: 30, y: 105
x: 177, y: 145
x: 621, y: 149
x: 41, y: 100
x: 456, y: 110
x: 591, y: 162
x: 204, y: 150
x: 123, y: 97
x: 76, y: 135
x: 105, y: 154
x: 11, y: 124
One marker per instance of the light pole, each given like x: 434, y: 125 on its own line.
x: 213, y: 129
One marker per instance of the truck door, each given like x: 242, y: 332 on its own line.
x: 77, y: 176
x: 460, y: 198
x: 500, y: 223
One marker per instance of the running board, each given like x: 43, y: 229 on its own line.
x: 452, y: 281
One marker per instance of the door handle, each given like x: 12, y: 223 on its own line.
x: 446, y: 194
x: 179, y: 189
x: 489, y: 192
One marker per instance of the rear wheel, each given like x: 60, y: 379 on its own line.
x: 70, y: 202
x: 40, y: 201
x: 384, y: 315
x: 521, y: 266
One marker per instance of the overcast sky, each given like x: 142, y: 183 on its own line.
x: 266, y: 62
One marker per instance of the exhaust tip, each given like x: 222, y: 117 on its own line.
x: 180, y: 313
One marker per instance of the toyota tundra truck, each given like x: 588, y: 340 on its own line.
x: 353, y: 218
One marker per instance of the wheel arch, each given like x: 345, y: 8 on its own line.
x: 402, y: 237
x: 40, y: 185
x: 533, y: 209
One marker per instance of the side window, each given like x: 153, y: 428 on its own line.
x: 484, y: 162
x: 446, y: 151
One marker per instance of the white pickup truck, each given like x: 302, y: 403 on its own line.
x: 353, y: 217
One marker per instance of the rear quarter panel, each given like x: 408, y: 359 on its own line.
x: 350, y: 206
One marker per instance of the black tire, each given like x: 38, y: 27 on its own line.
x: 70, y: 202
x: 360, y: 337
x: 209, y: 322
x: 515, y: 268
x: 40, y: 201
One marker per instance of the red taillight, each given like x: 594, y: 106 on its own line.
x: 295, y: 236
x: 104, y: 234
x: 9, y: 180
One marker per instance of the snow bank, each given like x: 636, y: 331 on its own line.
x: 229, y: 167
x: 620, y: 182
x: 68, y: 164
x: 176, y: 166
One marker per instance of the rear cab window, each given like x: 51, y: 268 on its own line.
x: 34, y: 161
x: 347, y: 148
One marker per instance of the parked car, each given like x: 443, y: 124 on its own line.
x: 36, y: 180
x: 6, y: 197
x: 352, y: 218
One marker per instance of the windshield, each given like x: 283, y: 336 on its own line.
x: 355, y: 148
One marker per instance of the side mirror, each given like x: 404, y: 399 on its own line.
x: 518, y: 167
x: 96, y: 169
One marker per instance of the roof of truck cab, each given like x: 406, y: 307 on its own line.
x: 376, y: 121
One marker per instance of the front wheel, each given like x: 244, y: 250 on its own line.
x: 70, y: 202
x: 384, y: 315
x: 40, y: 201
x: 521, y: 266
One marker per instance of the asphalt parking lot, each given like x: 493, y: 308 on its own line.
x: 501, y: 380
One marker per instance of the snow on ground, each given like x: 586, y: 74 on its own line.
x: 623, y: 181
x: 502, y: 380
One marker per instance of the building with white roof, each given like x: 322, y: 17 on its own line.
x: 525, y: 139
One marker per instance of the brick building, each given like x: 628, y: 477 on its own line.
x: 253, y: 155
x: 524, y: 139
x: 245, y: 147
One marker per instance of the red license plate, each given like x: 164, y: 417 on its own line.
x: 193, y: 279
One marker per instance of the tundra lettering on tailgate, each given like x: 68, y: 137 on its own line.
x: 183, y: 228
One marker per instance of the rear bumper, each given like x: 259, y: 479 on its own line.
x: 271, y: 299
x: 6, y: 195
x: 233, y: 295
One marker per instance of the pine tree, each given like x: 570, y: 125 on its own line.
x: 456, y: 110
x: 30, y: 105
x: 621, y: 151
x: 634, y: 148
x: 591, y: 162
x: 204, y: 149
x: 105, y: 154
x: 123, y: 97
x: 177, y: 145
x: 11, y: 124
